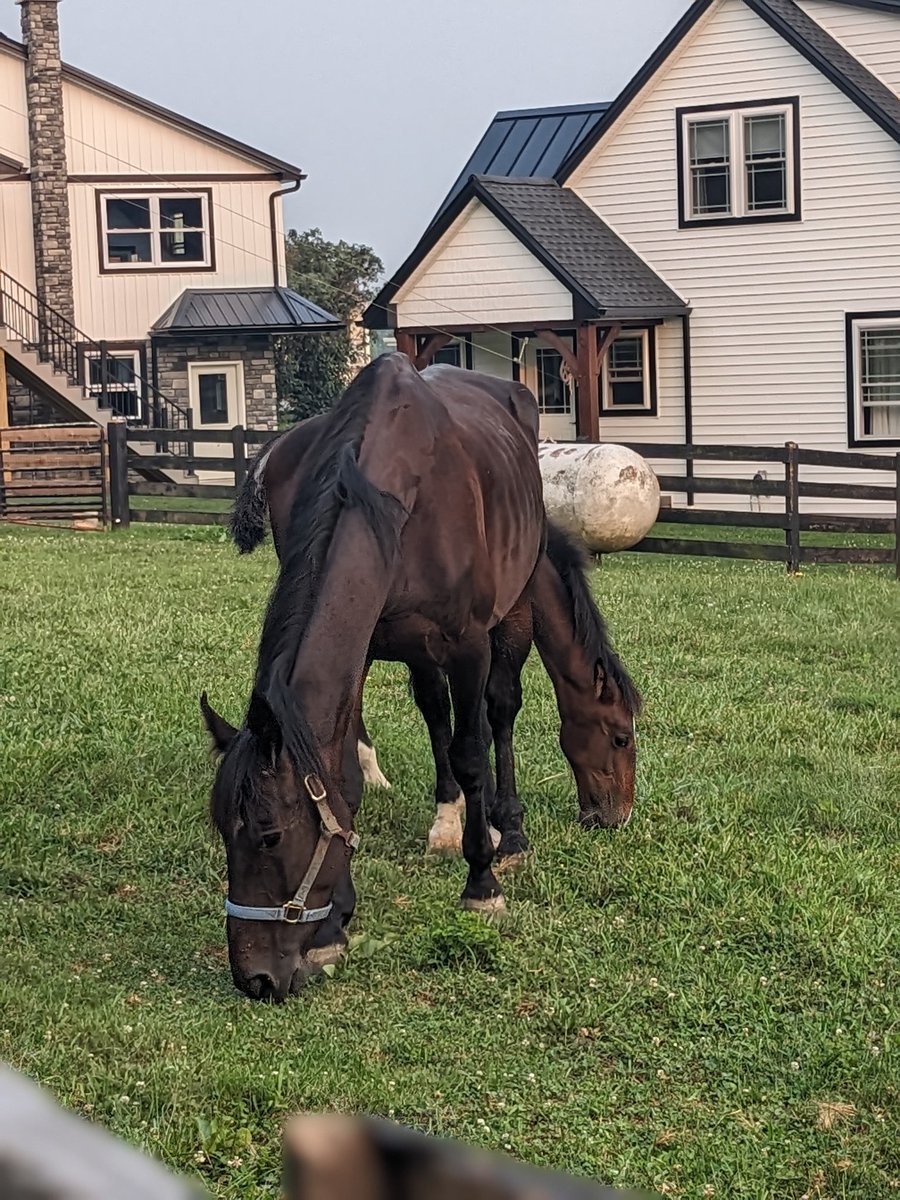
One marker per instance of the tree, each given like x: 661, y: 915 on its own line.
x: 313, y: 369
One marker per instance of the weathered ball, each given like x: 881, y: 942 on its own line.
x: 605, y: 495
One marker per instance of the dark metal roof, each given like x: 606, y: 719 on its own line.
x: 802, y: 32
x: 580, y: 248
x: 605, y: 276
x: 244, y: 310
x: 277, y: 165
x: 527, y: 143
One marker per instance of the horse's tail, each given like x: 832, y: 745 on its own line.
x: 247, y: 521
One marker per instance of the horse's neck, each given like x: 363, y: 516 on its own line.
x: 330, y: 663
x: 567, y: 662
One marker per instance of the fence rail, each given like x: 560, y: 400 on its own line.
x: 51, y: 474
x: 228, y: 451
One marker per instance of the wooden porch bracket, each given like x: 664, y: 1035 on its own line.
x: 587, y: 373
x: 609, y: 336
x: 436, y: 342
x: 406, y: 344
x: 554, y: 340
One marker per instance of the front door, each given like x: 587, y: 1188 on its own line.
x: 217, y: 402
x: 555, y: 391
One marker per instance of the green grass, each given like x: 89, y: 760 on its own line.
x: 666, y: 1007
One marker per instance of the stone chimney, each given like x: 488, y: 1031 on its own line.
x: 49, y: 171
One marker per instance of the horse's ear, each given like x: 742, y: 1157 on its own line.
x: 263, y: 724
x: 599, y: 679
x: 220, y: 731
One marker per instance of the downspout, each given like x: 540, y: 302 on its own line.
x: 688, y: 399
x: 273, y: 225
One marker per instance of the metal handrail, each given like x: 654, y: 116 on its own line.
x: 61, y: 343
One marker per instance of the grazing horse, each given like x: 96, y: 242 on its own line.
x: 596, y: 698
x: 413, y: 533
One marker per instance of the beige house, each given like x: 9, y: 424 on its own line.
x: 142, y: 263
x: 713, y: 257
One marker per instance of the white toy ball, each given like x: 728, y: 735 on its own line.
x: 605, y: 495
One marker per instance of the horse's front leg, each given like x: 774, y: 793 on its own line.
x: 510, y: 643
x: 470, y: 762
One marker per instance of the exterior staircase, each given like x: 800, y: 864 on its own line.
x: 52, y: 356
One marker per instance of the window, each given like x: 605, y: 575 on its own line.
x: 553, y: 395
x: 449, y: 355
x: 874, y: 348
x: 156, y: 231
x: 124, y: 390
x: 628, y: 382
x: 739, y: 164
x: 212, y: 390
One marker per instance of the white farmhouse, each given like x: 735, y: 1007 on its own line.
x: 714, y: 257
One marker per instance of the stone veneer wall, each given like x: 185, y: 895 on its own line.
x: 257, y: 355
x: 27, y: 407
x: 49, y: 171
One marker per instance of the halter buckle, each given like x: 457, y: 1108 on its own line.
x: 293, y: 906
x: 310, y: 783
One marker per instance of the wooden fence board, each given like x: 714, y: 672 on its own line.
x: 191, y: 491
x: 690, y: 546
x: 169, y: 516
x: 868, y: 555
x: 181, y: 462
x: 717, y: 453
x: 721, y: 485
x: 55, y: 434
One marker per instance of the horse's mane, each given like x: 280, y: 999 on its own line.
x: 570, y: 562
x: 332, y: 483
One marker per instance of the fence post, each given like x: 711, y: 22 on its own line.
x: 239, y: 449
x: 792, y: 507
x: 104, y: 375
x: 117, y: 432
x: 897, y: 521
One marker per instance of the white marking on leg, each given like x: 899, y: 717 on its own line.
x: 368, y: 761
x: 445, y: 835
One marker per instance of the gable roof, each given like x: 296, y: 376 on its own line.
x: 76, y: 75
x: 245, y: 310
x: 527, y: 143
x: 816, y: 45
x: 605, y: 276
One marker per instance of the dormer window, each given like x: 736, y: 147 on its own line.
x: 739, y: 163
x: 155, y: 231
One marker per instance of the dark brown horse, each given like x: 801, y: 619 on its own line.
x: 414, y: 532
x: 597, y: 700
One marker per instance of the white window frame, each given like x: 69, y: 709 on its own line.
x: 607, y: 408
x: 196, y: 369
x: 96, y: 389
x: 156, y: 231
x: 737, y: 164
x: 858, y: 326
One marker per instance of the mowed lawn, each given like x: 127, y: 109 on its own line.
x: 706, y: 1003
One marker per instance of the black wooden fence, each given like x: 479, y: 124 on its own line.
x: 141, y: 488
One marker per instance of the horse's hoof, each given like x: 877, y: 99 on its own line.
x: 446, y: 834
x: 324, y: 956
x: 491, y: 906
x: 509, y: 863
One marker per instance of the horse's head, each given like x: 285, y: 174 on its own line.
x: 598, y: 739
x: 287, y: 843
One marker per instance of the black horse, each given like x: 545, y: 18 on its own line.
x: 413, y: 533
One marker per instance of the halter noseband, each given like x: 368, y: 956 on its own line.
x: 295, y: 911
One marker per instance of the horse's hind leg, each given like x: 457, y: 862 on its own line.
x: 470, y: 763
x: 510, y: 643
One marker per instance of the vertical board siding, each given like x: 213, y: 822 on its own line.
x: 16, y: 229
x: 870, y: 35
x: 105, y: 136
x: 121, y: 307
x: 480, y: 273
x: 13, y: 113
x: 768, y: 301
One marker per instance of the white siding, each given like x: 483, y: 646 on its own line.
x: 122, y: 307
x: 107, y: 137
x: 869, y: 34
x: 13, y: 119
x: 480, y: 273
x: 768, y: 300
x: 16, y: 231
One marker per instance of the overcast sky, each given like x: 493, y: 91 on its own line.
x: 379, y: 103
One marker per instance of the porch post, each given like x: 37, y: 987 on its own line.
x: 588, y: 415
x: 406, y: 343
